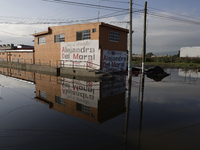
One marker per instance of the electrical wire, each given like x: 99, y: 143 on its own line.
x: 13, y: 33
x: 86, y: 5
x: 171, y: 16
x: 67, y: 21
x: 115, y: 1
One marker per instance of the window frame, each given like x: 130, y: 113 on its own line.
x: 58, y: 38
x: 83, y: 35
x: 42, y: 40
x: 83, y: 109
x: 114, y: 36
x: 42, y: 94
x: 59, y: 100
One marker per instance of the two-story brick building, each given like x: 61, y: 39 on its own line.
x: 96, y: 45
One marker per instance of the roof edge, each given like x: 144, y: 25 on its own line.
x: 43, y: 32
x: 114, y: 27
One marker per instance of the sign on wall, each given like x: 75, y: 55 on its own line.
x: 114, y: 60
x: 81, y: 54
x: 83, y: 92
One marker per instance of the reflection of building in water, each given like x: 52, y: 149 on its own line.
x: 191, y: 75
x: 18, y: 74
x: 194, y: 73
x: 93, y: 101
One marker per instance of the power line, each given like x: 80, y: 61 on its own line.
x: 115, y: 1
x: 59, y: 21
x: 68, y: 14
x: 174, y: 17
x: 13, y: 33
x: 175, y: 13
x: 87, y: 5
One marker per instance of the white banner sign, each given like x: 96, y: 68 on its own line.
x: 85, y: 93
x: 114, y: 60
x: 81, y: 54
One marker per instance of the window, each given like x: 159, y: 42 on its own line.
x: 60, y: 100
x: 2, y: 53
x: 43, y: 94
x: 19, y: 55
x: 83, y: 35
x: 94, y: 30
x: 114, y: 36
x: 41, y: 40
x: 59, y: 38
x: 82, y: 108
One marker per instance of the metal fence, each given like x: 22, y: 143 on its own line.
x: 55, y: 63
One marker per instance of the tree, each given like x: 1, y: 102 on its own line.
x: 149, y: 54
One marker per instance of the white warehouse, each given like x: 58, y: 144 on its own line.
x: 190, y: 52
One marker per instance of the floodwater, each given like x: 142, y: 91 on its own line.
x: 39, y: 111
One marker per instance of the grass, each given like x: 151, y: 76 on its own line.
x: 170, y: 64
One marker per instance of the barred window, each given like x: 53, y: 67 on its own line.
x: 43, y: 94
x: 60, y: 100
x: 83, y: 35
x: 59, y: 38
x: 114, y: 36
x: 42, y: 40
x: 82, y: 108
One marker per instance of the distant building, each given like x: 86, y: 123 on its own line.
x: 190, y: 52
x: 97, y: 45
x: 11, y: 53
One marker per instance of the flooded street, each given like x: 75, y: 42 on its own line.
x: 50, y: 112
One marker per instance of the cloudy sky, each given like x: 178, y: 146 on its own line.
x: 171, y: 24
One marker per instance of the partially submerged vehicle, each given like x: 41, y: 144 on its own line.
x: 156, y: 73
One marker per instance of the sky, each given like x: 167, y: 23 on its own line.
x: 19, y: 19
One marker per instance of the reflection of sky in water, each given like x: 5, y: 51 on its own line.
x: 195, y: 73
x: 171, y: 112
x: 170, y: 119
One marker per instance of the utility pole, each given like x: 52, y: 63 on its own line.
x: 129, y: 75
x: 130, y: 43
x: 144, y: 39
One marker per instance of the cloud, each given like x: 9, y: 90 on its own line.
x: 164, y: 35
x: 19, y: 34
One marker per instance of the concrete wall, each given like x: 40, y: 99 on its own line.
x: 190, y: 52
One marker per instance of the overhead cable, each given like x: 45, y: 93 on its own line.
x: 173, y: 18
x: 114, y: 1
x: 86, y: 5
